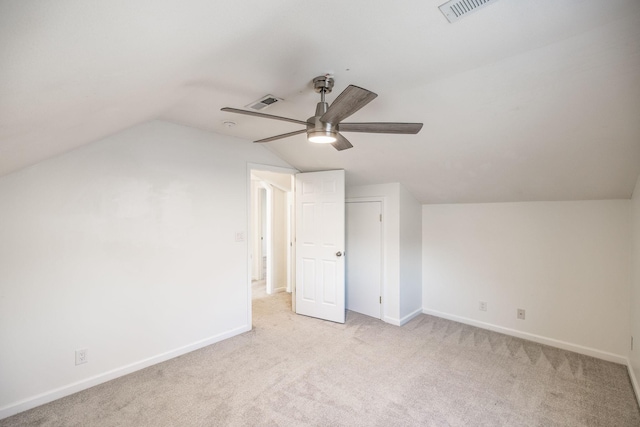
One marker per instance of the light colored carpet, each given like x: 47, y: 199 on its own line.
x: 295, y: 371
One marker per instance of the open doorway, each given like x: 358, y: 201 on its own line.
x: 271, y: 245
x: 271, y: 231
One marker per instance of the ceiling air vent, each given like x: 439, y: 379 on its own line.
x: 263, y: 102
x: 456, y: 9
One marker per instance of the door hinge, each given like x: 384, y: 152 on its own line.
x: 380, y: 300
x: 380, y: 217
x: 632, y: 342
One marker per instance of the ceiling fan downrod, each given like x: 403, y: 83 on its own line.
x: 322, y: 85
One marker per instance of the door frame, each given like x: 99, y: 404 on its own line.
x: 258, y: 225
x: 383, y: 247
x: 266, y: 246
x: 268, y: 168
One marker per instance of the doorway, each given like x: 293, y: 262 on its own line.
x: 265, y: 181
x: 270, y: 231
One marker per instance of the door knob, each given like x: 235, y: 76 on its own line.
x: 338, y: 254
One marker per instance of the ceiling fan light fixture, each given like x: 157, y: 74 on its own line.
x: 321, y: 136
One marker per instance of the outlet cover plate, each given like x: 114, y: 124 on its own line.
x: 521, y: 313
x: 82, y: 356
x: 483, y: 306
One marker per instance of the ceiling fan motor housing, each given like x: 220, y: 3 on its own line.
x: 323, y: 84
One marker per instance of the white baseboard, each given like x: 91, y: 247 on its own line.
x: 49, y: 396
x: 392, y: 320
x: 404, y: 320
x: 410, y: 316
x: 588, y: 351
x: 634, y: 380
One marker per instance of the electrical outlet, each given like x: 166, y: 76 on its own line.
x: 483, y: 306
x: 521, y: 313
x: 82, y: 356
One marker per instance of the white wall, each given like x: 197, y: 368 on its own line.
x: 566, y: 263
x: 634, y: 355
x: 126, y: 247
x: 410, y: 256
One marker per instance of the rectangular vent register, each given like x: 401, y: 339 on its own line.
x: 263, y: 102
x: 456, y: 9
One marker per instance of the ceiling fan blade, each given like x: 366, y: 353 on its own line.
x: 348, y: 102
x: 342, y: 143
x: 284, y: 135
x: 378, y: 127
x: 266, y: 116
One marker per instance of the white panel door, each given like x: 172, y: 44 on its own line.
x: 320, y: 245
x: 364, y: 265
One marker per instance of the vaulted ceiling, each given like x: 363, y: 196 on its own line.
x: 520, y: 100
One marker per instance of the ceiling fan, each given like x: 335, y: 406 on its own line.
x: 325, y: 126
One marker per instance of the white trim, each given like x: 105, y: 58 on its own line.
x: 588, y: 351
x: 404, y: 320
x: 364, y: 199
x: 410, y: 316
x: 268, y: 235
x: 49, y: 396
x: 634, y: 380
x: 269, y: 168
x: 290, y: 224
x: 392, y: 321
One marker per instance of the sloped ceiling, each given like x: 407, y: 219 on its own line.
x: 520, y: 101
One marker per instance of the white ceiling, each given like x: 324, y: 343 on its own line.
x: 522, y: 100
